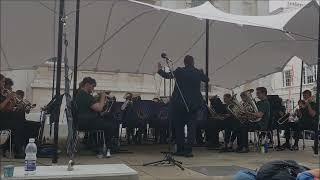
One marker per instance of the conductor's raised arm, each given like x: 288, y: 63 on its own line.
x: 204, y: 78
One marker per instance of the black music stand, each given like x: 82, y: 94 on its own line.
x: 168, y: 156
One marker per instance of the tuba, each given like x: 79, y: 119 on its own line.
x: 250, y: 106
x: 234, y: 107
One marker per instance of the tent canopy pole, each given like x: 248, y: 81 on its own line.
x: 76, y: 47
x: 316, y: 139
x: 207, y: 59
x: 58, y: 82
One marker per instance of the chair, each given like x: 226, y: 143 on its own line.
x: 265, y: 133
x: 8, y: 133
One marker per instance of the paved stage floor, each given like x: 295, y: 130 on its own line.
x: 205, y: 160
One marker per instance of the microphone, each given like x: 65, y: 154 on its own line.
x: 164, y: 55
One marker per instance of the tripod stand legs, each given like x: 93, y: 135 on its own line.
x: 168, y: 159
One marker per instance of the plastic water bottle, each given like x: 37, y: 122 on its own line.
x: 30, y: 158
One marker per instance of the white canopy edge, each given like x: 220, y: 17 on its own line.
x: 208, y: 11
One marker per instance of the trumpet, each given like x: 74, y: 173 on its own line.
x: 25, y: 105
x: 11, y: 106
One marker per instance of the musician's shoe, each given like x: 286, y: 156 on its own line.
x: 295, y: 147
x: 226, y: 149
x: 19, y: 156
x: 243, y: 150
x: 284, y: 146
x: 108, y: 154
x: 179, y: 153
x: 213, y: 147
x: 188, y: 155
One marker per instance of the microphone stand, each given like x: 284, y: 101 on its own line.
x: 168, y: 156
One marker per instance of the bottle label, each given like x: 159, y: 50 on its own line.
x: 30, y: 165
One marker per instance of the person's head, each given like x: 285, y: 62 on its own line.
x: 261, y: 93
x: 2, y: 81
x: 156, y: 100
x: 8, y: 84
x: 188, y: 61
x: 88, y: 84
x: 81, y: 85
x: 244, y: 96
x: 227, y: 98
x: 128, y: 96
x: 306, y: 94
x: 302, y: 104
x: 20, y: 94
x: 137, y: 98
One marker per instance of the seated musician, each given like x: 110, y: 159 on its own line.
x: 8, y: 84
x: 263, y: 113
x: 89, y: 110
x: 228, y: 124
x: 263, y: 109
x: 307, y: 119
x: 24, y: 105
x: 288, y: 128
x: 9, y: 120
x: 128, y: 117
x: 31, y: 128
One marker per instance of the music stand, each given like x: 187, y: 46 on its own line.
x: 168, y: 156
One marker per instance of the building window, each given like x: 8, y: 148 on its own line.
x: 287, y: 78
x: 309, y: 74
x: 203, y: 87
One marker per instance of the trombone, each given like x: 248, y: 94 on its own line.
x: 286, y: 117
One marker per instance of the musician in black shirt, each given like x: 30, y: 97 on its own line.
x: 11, y: 120
x: 307, y: 119
x: 88, y: 110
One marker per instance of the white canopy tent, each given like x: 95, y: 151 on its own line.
x: 128, y: 36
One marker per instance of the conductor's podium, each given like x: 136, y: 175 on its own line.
x: 88, y: 172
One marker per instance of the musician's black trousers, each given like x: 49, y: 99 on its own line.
x: 14, y: 122
x: 297, y: 128
x: 93, y: 123
x: 179, y: 118
x: 229, y: 125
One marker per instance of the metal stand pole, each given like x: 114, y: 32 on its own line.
x: 316, y: 141
x: 58, y: 83
x: 207, y: 60
x: 76, y: 45
x: 301, y: 79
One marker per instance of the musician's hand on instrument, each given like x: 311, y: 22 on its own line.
x: 103, y: 96
x: 258, y: 114
x: 12, y: 96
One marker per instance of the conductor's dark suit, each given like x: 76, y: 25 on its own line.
x: 189, y: 80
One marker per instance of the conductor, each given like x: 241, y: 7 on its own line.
x: 185, y: 103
